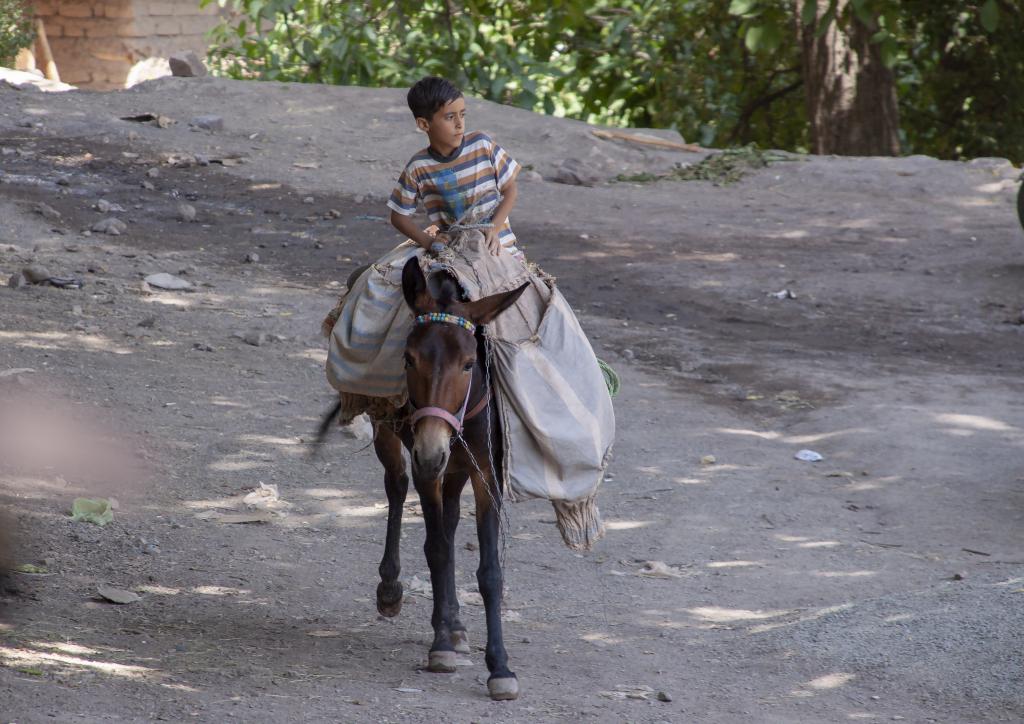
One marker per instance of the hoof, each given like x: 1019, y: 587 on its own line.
x: 460, y: 640
x: 441, y: 662
x: 389, y: 598
x: 504, y: 689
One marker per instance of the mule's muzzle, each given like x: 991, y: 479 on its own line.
x: 430, y: 450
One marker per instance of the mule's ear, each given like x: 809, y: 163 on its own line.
x: 414, y: 286
x: 484, y: 310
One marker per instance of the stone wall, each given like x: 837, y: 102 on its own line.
x: 97, y: 43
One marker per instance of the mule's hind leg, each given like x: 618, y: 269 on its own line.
x: 452, y: 492
x: 389, y: 451
x: 502, y: 684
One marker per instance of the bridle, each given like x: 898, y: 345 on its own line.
x: 457, y: 422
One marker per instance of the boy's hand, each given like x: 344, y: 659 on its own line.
x: 491, y: 239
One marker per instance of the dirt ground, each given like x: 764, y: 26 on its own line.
x: 883, y: 583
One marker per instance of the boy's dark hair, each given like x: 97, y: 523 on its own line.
x: 430, y: 94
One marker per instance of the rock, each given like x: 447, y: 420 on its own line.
x: 252, y: 258
x: 17, y: 281
x: 76, y: 310
x: 208, y: 123
x: 47, y: 212
x: 36, y: 273
x: 187, y: 64
x: 186, y: 212
x: 628, y: 354
x: 153, y: 173
x: 575, y: 172
x: 664, y: 696
x: 309, y: 200
x: 147, y: 185
x: 254, y: 338
x: 110, y: 225
x: 148, y: 323
x: 530, y: 176
x: 200, y: 347
x: 117, y: 595
x: 106, y: 207
x: 163, y: 280
x: 202, y: 160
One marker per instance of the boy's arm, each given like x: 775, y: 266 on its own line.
x: 509, y: 194
x: 408, y: 226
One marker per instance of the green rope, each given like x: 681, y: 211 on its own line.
x: 611, y: 379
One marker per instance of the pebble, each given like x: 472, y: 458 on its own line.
x: 147, y: 185
x: 664, y: 696
x: 309, y: 200
x: 47, y: 212
x: 199, y: 347
x: 208, y: 123
x: 256, y: 339
x: 186, y: 212
x: 76, y: 310
x: 163, y: 280
x: 17, y: 281
x: 110, y: 225
x: 148, y: 322
x: 252, y: 258
x: 106, y: 207
x: 36, y: 273
x: 186, y: 65
x: 628, y: 354
x: 153, y: 173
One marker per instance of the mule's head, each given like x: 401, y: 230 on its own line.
x: 440, y: 357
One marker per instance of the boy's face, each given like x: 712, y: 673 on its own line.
x: 447, y: 127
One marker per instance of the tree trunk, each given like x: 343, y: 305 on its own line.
x: 851, y: 95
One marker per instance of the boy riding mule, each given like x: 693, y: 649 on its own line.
x: 473, y: 362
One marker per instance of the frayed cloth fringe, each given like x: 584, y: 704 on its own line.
x: 579, y: 522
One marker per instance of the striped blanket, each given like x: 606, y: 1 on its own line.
x: 557, y: 416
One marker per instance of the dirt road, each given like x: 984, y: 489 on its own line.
x: 882, y: 583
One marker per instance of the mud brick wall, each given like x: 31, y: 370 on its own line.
x: 96, y: 43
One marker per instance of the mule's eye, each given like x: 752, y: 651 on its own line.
x: 408, y: 360
x: 468, y: 367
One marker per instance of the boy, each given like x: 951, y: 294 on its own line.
x: 455, y: 172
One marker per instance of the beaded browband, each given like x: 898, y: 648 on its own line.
x: 445, y: 317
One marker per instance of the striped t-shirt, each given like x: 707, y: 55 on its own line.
x: 475, y: 173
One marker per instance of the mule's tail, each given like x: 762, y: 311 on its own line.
x: 325, y: 424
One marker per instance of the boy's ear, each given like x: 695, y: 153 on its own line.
x: 484, y: 310
x: 414, y: 287
x: 423, y: 124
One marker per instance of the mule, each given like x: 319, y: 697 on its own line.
x: 452, y: 432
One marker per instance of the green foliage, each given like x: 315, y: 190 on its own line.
x: 960, y: 86
x: 16, y: 30
x: 723, y: 74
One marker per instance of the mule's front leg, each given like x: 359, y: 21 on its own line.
x: 453, y: 485
x: 502, y: 684
x: 396, y: 484
x: 438, y: 552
